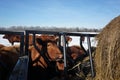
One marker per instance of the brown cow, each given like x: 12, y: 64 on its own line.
x: 43, y: 61
x: 80, y: 68
x: 8, y: 58
x: 12, y: 38
x: 74, y: 52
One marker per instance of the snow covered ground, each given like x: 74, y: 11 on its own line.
x: 76, y: 41
x: 4, y: 41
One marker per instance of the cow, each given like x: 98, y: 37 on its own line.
x: 8, y: 58
x: 74, y: 54
x: 12, y: 38
x: 42, y: 65
x: 78, y: 63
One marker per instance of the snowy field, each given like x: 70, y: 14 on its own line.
x: 4, y: 41
x: 76, y: 41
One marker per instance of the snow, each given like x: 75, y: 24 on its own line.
x: 4, y: 41
x: 76, y: 41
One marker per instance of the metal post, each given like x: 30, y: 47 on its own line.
x: 90, y: 56
x: 26, y: 43
x: 64, y: 52
x: 82, y: 44
x: 59, y: 43
x: 22, y: 45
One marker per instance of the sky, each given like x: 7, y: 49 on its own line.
x: 58, y: 13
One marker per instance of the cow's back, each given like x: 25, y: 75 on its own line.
x: 8, y: 58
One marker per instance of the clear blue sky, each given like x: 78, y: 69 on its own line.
x: 59, y: 13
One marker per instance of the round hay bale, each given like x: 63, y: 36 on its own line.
x: 107, y: 57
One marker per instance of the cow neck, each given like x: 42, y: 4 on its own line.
x: 43, y: 52
x: 4, y: 51
x: 69, y: 52
x: 38, y: 60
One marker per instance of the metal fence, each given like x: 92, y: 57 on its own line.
x: 64, y: 34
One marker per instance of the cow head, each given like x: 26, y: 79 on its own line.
x: 12, y: 38
x: 8, y: 58
x: 47, y: 46
x: 75, y: 53
x: 68, y: 39
x: 51, y: 48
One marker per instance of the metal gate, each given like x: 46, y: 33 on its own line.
x: 64, y: 34
x: 23, y: 61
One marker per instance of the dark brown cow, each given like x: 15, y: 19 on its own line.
x: 8, y: 58
x: 75, y: 51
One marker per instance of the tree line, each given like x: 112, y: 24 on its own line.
x: 46, y: 28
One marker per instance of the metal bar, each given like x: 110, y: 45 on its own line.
x: 33, y: 40
x: 81, y: 34
x: 90, y: 56
x: 27, y: 53
x: 59, y: 43
x: 82, y: 45
x: 66, y: 33
x: 64, y: 53
x: 42, y: 32
x: 22, y: 44
x: 10, y: 32
x: 64, y: 50
x: 26, y: 43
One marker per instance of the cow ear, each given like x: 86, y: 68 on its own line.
x: 39, y: 41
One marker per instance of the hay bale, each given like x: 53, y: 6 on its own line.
x: 107, y: 57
